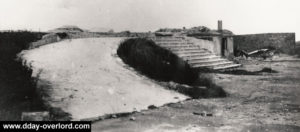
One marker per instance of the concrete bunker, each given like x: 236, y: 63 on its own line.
x: 219, y: 42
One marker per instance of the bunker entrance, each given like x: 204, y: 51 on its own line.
x: 223, y: 46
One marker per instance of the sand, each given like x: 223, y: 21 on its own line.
x: 86, y: 78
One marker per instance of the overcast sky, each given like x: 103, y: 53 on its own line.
x: 239, y: 16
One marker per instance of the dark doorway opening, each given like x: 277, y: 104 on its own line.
x: 223, y: 46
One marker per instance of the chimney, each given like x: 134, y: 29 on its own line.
x: 220, y: 25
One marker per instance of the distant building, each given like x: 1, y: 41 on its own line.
x: 219, y: 41
x: 67, y: 29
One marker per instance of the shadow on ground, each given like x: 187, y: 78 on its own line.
x: 162, y: 65
x: 241, y: 72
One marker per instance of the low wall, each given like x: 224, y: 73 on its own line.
x: 282, y: 42
x: 42, y: 42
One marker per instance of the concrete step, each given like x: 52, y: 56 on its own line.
x: 190, y: 51
x: 207, y: 61
x: 201, y: 58
x: 182, y: 46
x: 177, y: 46
x: 212, y: 64
x: 194, y: 56
x: 171, y: 44
x: 172, y: 39
x: 167, y: 38
x: 226, y: 66
x: 175, y: 49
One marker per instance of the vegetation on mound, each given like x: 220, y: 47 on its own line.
x: 17, y: 88
x: 155, y: 62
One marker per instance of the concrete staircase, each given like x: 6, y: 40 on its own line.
x: 194, y: 55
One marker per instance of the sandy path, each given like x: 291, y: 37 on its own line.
x: 87, y: 79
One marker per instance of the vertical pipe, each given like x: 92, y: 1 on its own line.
x: 220, y: 28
